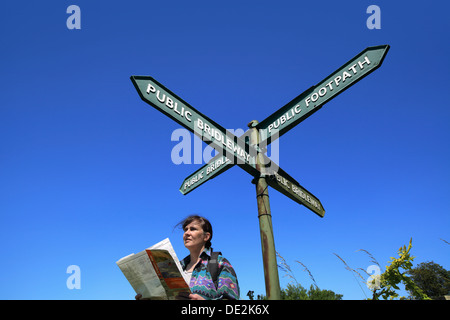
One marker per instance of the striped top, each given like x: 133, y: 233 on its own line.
x: 201, y: 281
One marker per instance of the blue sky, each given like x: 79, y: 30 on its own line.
x: 86, y: 174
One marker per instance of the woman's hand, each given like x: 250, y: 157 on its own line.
x: 194, y: 296
x: 189, y: 296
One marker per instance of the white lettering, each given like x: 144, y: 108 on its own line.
x: 345, y: 75
x: 198, y: 310
x: 353, y: 68
x: 288, y: 185
x: 193, y: 180
x: 159, y: 99
x: 329, y: 85
x: 218, y: 135
x: 229, y: 144
x: 337, y: 80
x: 322, y: 93
x: 169, y: 103
x: 245, y: 309
x: 287, y: 114
x: 207, y: 129
x: 200, y: 124
x: 151, y: 89
x: 178, y: 111
x: 275, y: 123
x: 307, y: 101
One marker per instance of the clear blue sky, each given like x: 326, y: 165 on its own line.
x: 86, y: 175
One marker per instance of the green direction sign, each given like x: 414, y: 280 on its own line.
x: 298, y: 109
x: 174, y: 107
x: 277, y: 178
x: 288, y: 186
x: 315, y: 97
x: 219, y: 164
x: 226, y: 143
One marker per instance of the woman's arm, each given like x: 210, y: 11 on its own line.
x: 227, y: 284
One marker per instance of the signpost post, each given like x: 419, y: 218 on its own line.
x: 248, y: 150
x: 265, y: 223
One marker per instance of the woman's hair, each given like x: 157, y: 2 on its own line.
x: 204, y: 223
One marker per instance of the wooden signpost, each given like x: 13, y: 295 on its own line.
x: 248, y: 150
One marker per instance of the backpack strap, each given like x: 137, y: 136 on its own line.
x: 213, y: 266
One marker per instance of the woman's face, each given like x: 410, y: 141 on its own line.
x: 194, y: 236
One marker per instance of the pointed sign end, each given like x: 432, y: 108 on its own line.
x: 182, y: 192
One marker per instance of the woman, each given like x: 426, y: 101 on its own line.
x: 197, y: 239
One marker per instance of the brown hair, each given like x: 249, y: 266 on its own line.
x: 204, y: 223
